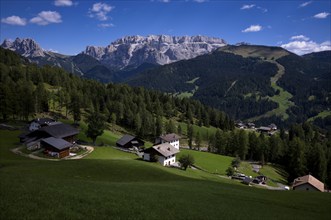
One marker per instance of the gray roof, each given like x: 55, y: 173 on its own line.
x: 264, y: 128
x: 125, y: 139
x: 170, y: 137
x: 57, y: 143
x: 60, y: 130
x: 166, y: 149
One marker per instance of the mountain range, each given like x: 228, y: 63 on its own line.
x: 253, y: 83
x: 120, y: 57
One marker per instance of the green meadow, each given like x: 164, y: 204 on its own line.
x: 110, y: 184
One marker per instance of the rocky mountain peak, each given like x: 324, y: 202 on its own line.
x: 155, y: 49
x: 26, y: 47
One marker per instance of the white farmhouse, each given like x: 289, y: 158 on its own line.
x: 172, y: 139
x: 164, y: 153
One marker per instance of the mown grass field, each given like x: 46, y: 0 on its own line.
x: 210, y: 162
x: 217, y: 164
x: 109, y: 184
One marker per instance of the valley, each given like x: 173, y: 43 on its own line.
x: 165, y: 109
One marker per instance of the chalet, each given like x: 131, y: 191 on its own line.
x: 240, y: 125
x: 251, y: 125
x: 59, y: 130
x: 128, y: 141
x: 308, y: 183
x: 172, y: 139
x: 39, y: 123
x: 273, y: 127
x: 56, y: 147
x: 164, y: 153
x: 264, y: 129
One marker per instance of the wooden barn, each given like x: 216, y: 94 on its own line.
x: 59, y: 130
x: 56, y: 147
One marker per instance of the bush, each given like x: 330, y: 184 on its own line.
x: 186, y: 160
x: 230, y: 171
x: 236, y: 162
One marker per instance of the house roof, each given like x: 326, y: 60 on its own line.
x: 125, y: 139
x: 170, y: 137
x: 310, y: 180
x: 264, y: 128
x: 165, y: 149
x: 60, y: 130
x: 43, y: 121
x: 273, y: 126
x: 57, y: 143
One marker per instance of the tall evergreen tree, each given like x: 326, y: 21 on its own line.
x: 190, y: 135
x: 243, y: 144
x: 198, y: 140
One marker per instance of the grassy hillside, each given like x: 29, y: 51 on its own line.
x: 213, y: 163
x: 112, y: 184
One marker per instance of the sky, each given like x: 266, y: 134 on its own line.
x: 68, y: 26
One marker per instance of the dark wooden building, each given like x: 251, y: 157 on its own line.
x: 128, y: 141
x: 64, y: 131
x: 56, y: 147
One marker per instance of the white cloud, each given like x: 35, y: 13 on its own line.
x: 200, y: 1
x: 252, y: 28
x: 264, y: 10
x: 100, y: 11
x: 14, y: 20
x: 106, y: 25
x: 300, y: 37
x: 46, y: 17
x: 322, y: 15
x: 245, y: 7
x: 304, y: 47
x: 65, y: 3
x: 164, y: 1
x: 305, y: 4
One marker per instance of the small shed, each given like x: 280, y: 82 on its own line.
x: 56, y: 146
x: 128, y: 141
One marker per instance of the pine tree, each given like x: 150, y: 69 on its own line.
x: 190, y: 135
x: 198, y: 140
x: 170, y: 127
x: 179, y: 129
x: 242, y: 144
x: 158, y: 126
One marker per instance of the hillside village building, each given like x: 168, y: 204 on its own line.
x: 128, y: 141
x: 39, y: 123
x: 164, y: 153
x: 308, y: 183
x: 172, y: 139
x: 55, y: 137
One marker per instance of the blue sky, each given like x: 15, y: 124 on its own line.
x: 68, y: 26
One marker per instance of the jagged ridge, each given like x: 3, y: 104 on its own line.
x: 155, y: 49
